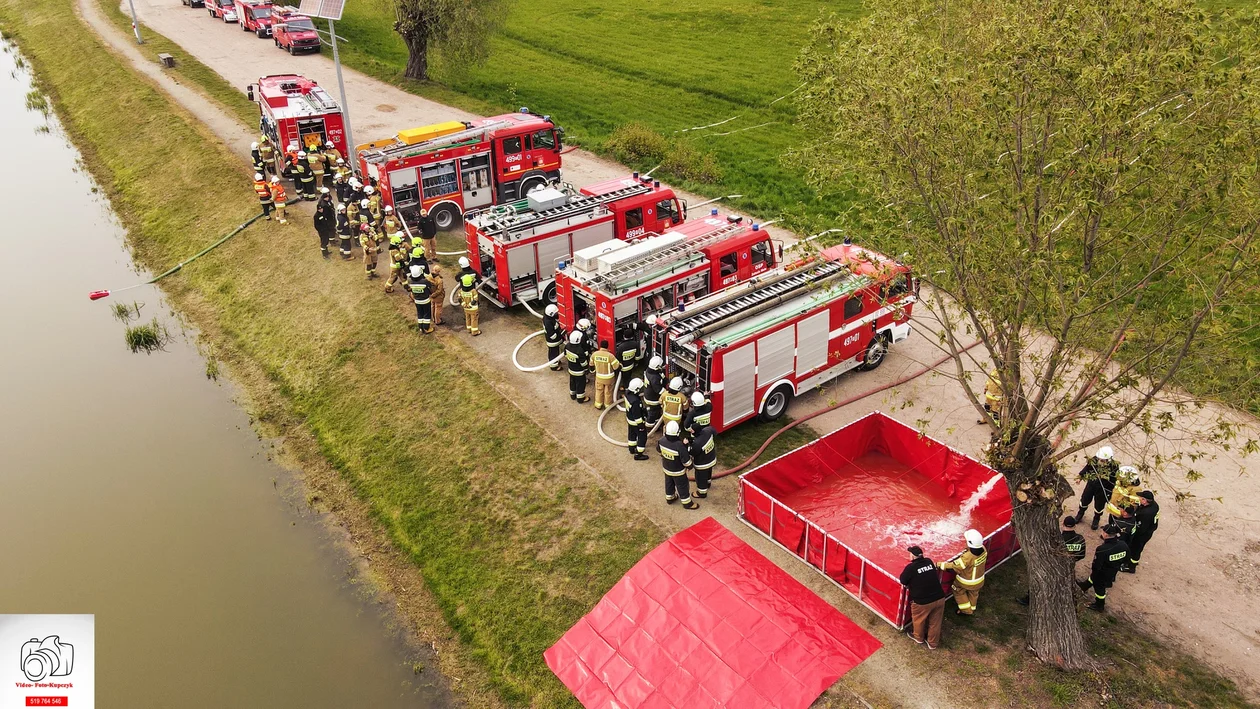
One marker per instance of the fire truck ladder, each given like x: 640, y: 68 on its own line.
x: 406, y: 150
x: 653, y: 263
x: 520, y: 220
x: 769, y: 294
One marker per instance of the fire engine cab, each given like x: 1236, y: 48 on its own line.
x: 756, y: 345
x: 255, y: 16
x: 450, y: 168
x: 292, y: 31
x: 294, y: 109
x: 619, y: 283
x: 518, y: 247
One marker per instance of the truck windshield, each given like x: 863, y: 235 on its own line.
x: 259, y: 13
x: 300, y: 25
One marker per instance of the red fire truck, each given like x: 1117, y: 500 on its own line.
x: 293, y: 31
x: 518, y: 247
x: 617, y: 283
x: 450, y: 168
x: 222, y: 9
x: 756, y: 345
x: 294, y: 109
x: 255, y: 16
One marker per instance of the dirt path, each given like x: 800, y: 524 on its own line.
x: 1198, y: 578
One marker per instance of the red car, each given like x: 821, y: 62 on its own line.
x: 222, y: 9
x: 294, y: 33
x: 254, y: 17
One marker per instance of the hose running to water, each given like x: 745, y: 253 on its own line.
x: 521, y: 344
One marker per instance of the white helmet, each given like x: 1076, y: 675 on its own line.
x: 323, y: 190
x: 551, y: 310
x: 1105, y: 453
x: 575, y: 338
x: 257, y: 175
x: 292, y: 146
x: 388, y: 209
x: 416, y: 271
x: 253, y: 146
x: 656, y: 363
x: 675, y: 384
x: 275, y: 179
x: 364, y: 203
x: 635, y: 384
x: 651, y: 319
x: 301, y: 153
x: 341, y: 208
x: 584, y: 324
x: 1128, y: 472
x: 974, y: 540
x: 340, y: 161
x: 354, y: 182
x: 697, y: 398
x: 671, y: 428
x: 463, y: 262
x: 329, y: 144
x: 368, y: 190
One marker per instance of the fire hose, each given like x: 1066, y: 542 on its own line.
x: 599, y: 424
x: 521, y: 344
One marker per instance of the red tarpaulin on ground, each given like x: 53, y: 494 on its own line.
x: 702, y: 621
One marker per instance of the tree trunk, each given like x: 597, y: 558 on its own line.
x: 417, y: 56
x: 1054, y: 632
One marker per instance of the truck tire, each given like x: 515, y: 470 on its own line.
x: 549, y: 295
x: 260, y: 33
x: 776, y: 403
x: 531, y: 183
x: 445, y: 216
x: 876, y: 353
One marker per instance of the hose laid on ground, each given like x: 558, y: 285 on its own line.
x: 533, y: 312
x: 599, y: 425
x: 520, y: 344
x: 98, y: 294
x: 451, y: 253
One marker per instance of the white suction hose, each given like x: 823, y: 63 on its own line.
x: 599, y: 425
x: 533, y: 312
x: 451, y: 253
x: 520, y: 344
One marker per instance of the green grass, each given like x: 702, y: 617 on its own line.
x: 514, y: 546
x: 737, y: 444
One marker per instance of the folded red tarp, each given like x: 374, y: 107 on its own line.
x: 705, y: 621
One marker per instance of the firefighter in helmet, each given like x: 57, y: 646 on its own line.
x: 992, y: 398
x: 968, y: 569
x: 636, y: 423
x: 439, y: 293
x: 421, y: 295
x: 264, y: 194
x: 256, y: 158
x: 675, y: 458
x: 673, y: 403
x: 267, y: 154
x: 553, y: 332
x: 575, y: 355
x: 468, y: 282
x: 698, y: 414
x: 344, y: 234
x: 332, y: 156
x: 654, y: 386
x: 279, y: 197
x: 703, y: 446
x: 367, y: 242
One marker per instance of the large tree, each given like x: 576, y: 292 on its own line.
x: 459, y: 29
x: 1077, y: 179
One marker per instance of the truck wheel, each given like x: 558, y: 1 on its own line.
x: 291, y: 52
x: 550, y: 297
x: 529, y: 184
x: 876, y: 353
x: 776, y: 403
x: 445, y: 216
x: 260, y: 34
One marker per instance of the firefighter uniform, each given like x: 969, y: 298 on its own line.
x: 352, y: 213
x: 267, y: 152
x: 279, y: 197
x: 264, y: 196
x: 304, y: 180
x: 698, y: 415
x: 398, y: 269
x: 993, y: 396
x: 636, y: 425
x: 605, y: 364
x: 653, y: 386
x: 575, y: 357
x: 367, y: 241
x: 344, y: 234
x: 1147, y: 521
x: 553, y: 332
x: 627, y: 350
x: 968, y: 578
x: 325, y: 222
x: 331, y: 156
x: 341, y: 180
x: 1125, y: 493
x: 255, y: 158
x: 439, y: 293
x: 416, y: 258
x: 1100, y: 480
x: 1108, y: 558
x: 315, y: 161
x: 468, y: 280
x: 672, y: 406
x: 390, y: 225
x: 703, y: 457
x: 675, y: 458
x: 422, y: 296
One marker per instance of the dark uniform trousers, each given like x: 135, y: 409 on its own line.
x: 636, y: 426
x: 703, y: 458
x: 674, y: 461
x: 576, y: 356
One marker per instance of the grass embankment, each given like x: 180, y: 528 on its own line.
x: 514, y: 540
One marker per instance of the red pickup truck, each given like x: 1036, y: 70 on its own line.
x: 294, y: 33
x: 222, y: 9
x: 254, y: 17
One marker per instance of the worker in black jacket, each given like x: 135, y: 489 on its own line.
x: 654, y: 385
x: 325, y: 220
x: 626, y: 348
x: 1073, y: 544
x: 927, y: 599
x: 1147, y: 521
x: 575, y: 354
x: 344, y: 233
x: 1107, y: 560
x: 703, y: 446
x: 698, y: 414
x: 1099, y: 475
x: 636, y: 425
x: 553, y: 333
x: 675, y: 459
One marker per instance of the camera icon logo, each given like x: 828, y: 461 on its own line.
x: 47, y: 658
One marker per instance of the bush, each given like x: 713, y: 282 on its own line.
x: 637, y: 144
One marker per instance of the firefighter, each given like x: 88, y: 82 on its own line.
x: 968, y: 569
x: 422, y: 296
x: 1147, y: 521
x: 267, y: 153
x: 367, y: 242
x: 416, y: 258
x: 468, y: 282
x: 279, y: 197
x: 605, y: 364
x: 264, y: 194
x: 675, y: 458
x: 399, y: 268
x: 553, y: 332
x: 332, y: 158
x: 355, y: 193
x: 1073, y: 543
x: 439, y: 293
x: 352, y: 214
x: 673, y: 402
x: 341, y: 180
x: 315, y: 161
x: 290, y: 159
x: 1099, y: 475
x: 255, y: 157
x: 703, y: 447
x: 588, y: 334
x: 575, y: 355
x: 992, y: 398
x: 1108, y: 558
x: 390, y: 224
x: 699, y: 413
x: 654, y: 386
x: 627, y: 347
x: 303, y: 177
x: 927, y: 599
x: 1125, y: 493
x: 325, y: 220
x: 374, y: 206
x: 344, y: 234
x: 636, y: 425
x: 428, y: 234
x: 366, y: 217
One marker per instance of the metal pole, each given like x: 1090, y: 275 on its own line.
x: 135, y: 24
x: 345, y: 105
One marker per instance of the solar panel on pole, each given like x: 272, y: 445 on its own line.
x: 325, y: 9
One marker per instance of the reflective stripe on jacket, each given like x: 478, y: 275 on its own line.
x: 672, y: 406
x: 968, y: 569
x: 605, y: 364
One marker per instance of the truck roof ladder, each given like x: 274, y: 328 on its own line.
x: 403, y: 150
x: 511, y: 220
x: 724, y: 310
x: 616, y: 278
